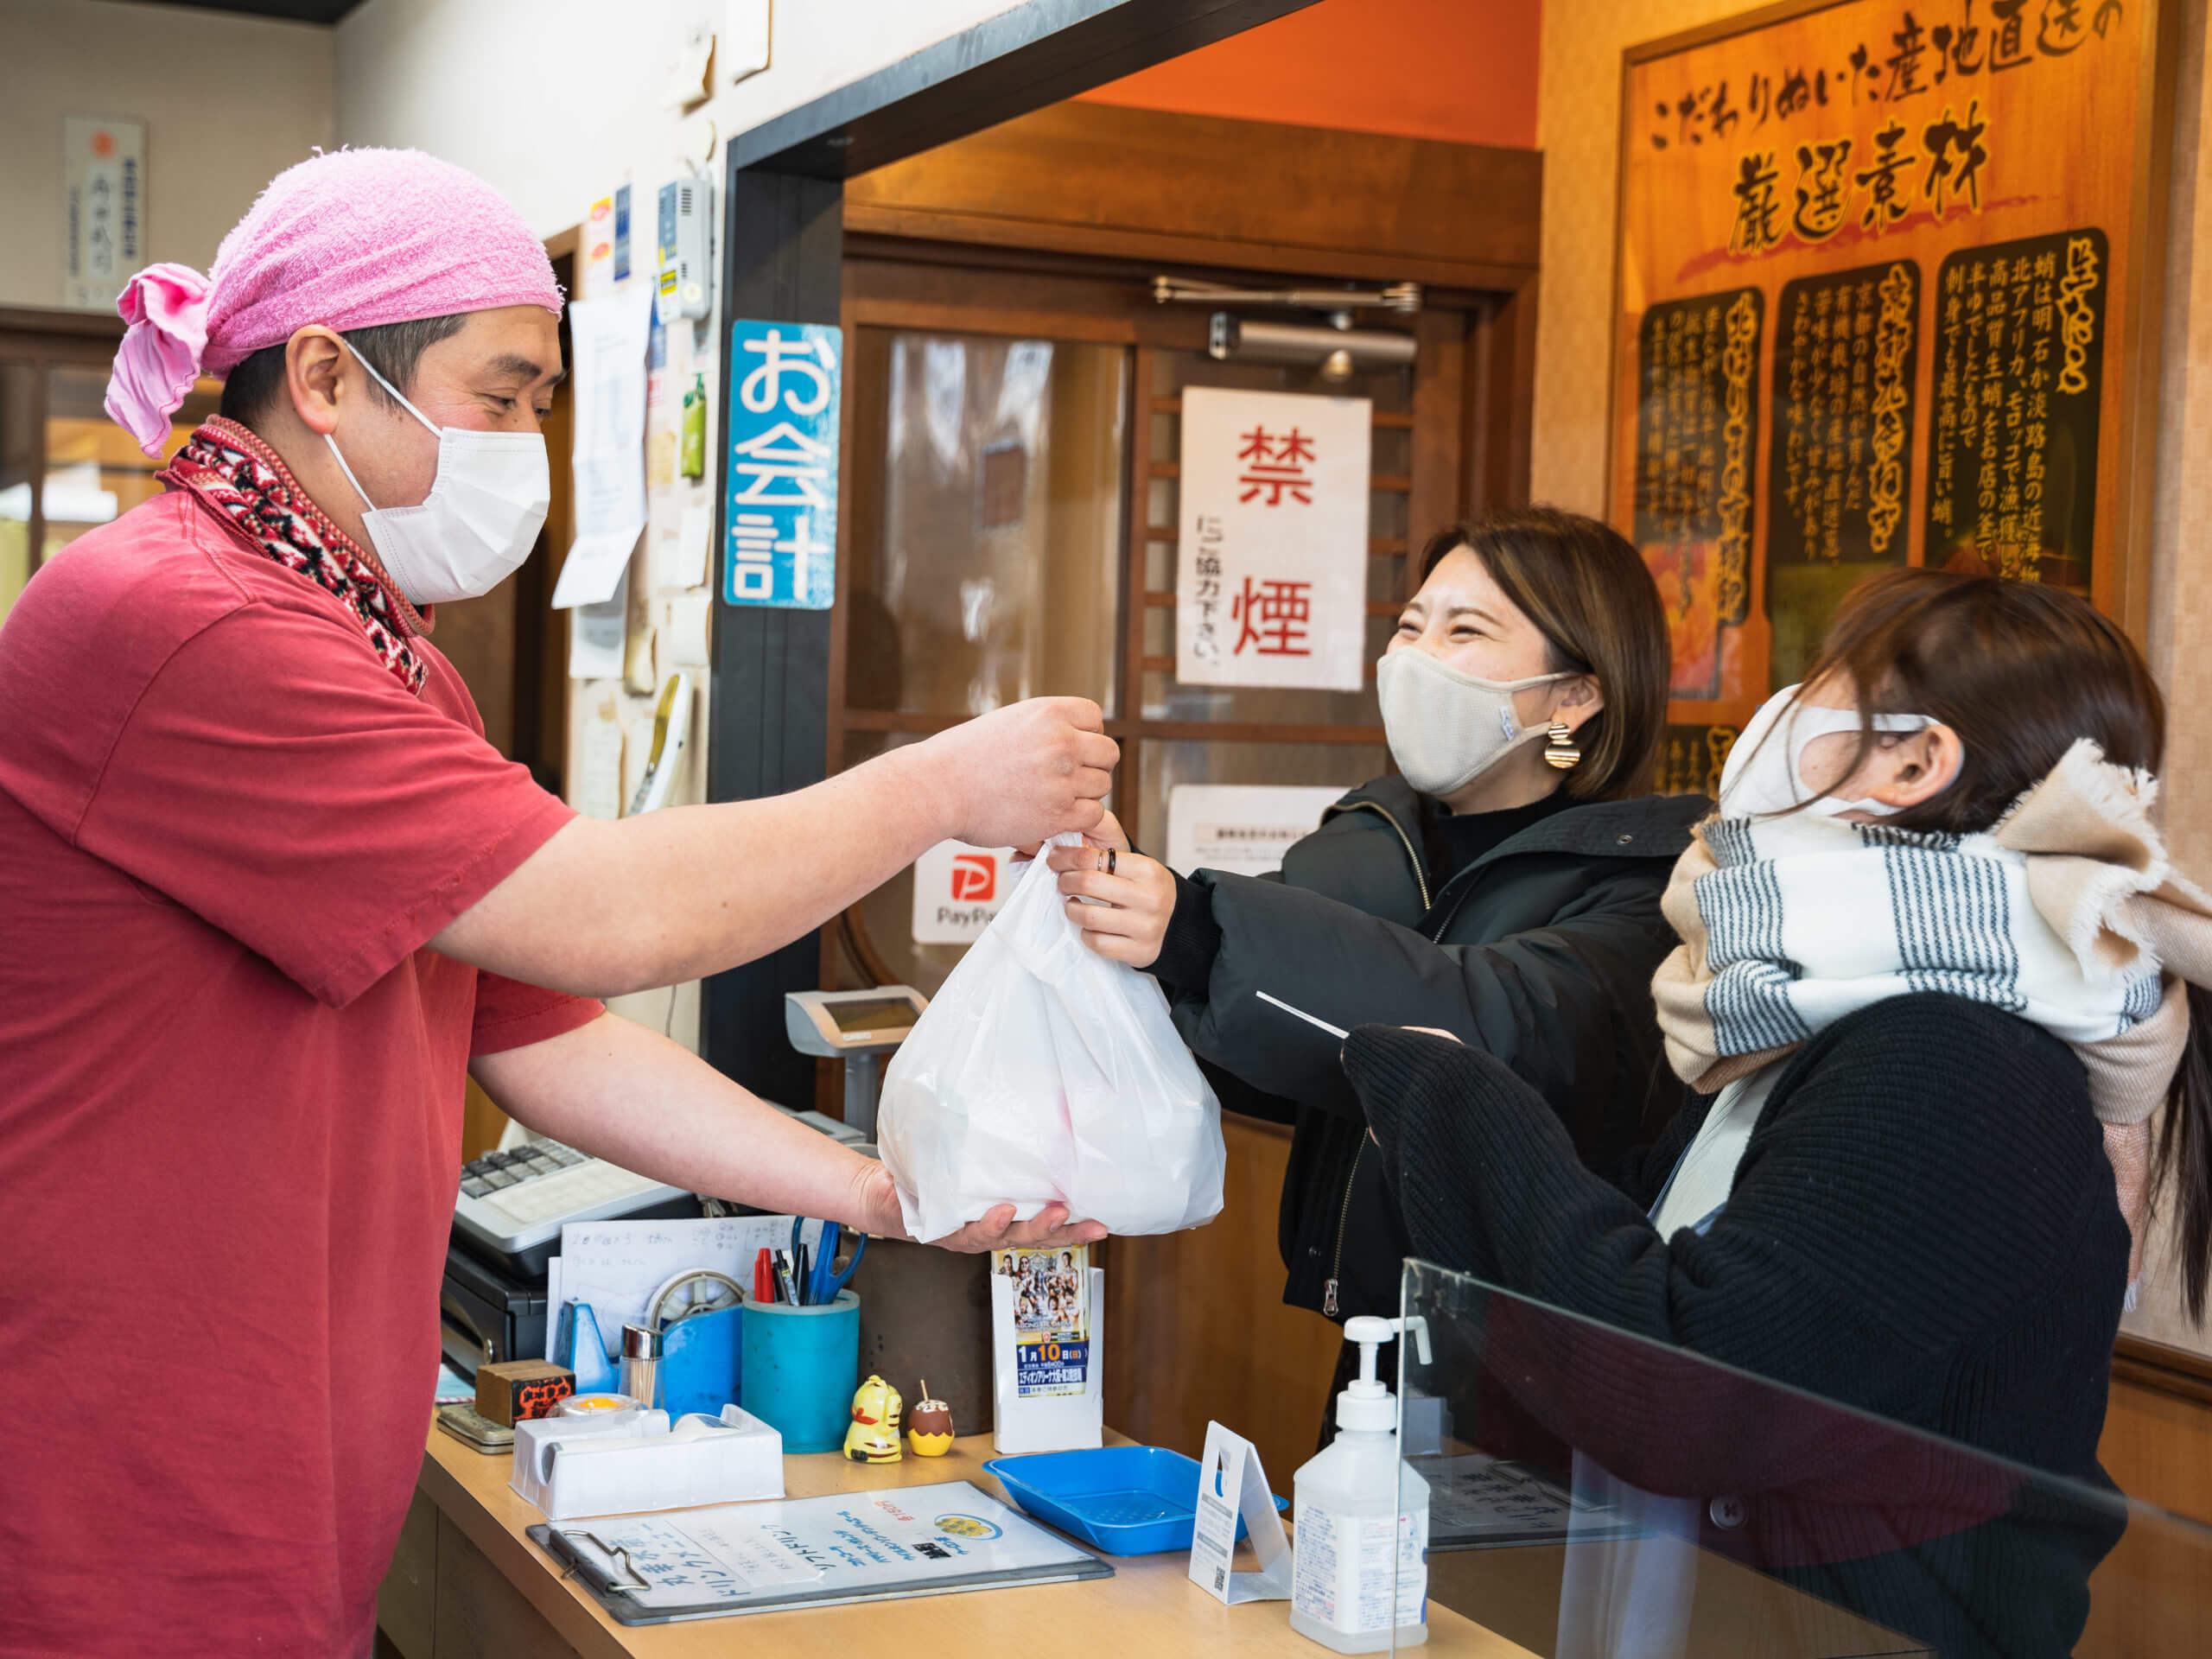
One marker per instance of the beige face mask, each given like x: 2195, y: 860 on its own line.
x: 1446, y: 728
x: 1764, y: 775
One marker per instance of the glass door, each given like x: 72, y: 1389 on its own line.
x: 985, y: 556
x: 1012, y: 488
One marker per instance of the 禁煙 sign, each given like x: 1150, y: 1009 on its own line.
x: 1272, y: 577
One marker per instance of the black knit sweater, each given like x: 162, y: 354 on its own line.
x: 1922, y: 1225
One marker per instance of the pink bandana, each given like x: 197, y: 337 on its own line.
x: 353, y: 240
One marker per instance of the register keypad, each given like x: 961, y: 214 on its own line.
x: 497, y: 1170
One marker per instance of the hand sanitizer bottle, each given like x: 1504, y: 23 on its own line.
x: 1360, y: 1552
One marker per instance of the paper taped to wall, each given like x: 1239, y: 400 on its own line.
x: 608, y: 361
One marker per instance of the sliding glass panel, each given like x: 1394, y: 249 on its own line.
x: 1593, y: 1494
x: 986, y: 541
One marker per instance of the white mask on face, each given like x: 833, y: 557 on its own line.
x: 487, y: 503
x: 1763, y: 775
x: 1446, y: 728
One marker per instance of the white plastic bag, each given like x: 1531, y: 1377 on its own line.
x: 1043, y: 1071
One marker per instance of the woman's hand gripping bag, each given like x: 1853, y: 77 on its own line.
x: 1043, y: 1071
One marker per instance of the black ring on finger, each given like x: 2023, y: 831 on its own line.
x: 1113, y: 860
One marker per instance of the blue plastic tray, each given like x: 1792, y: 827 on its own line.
x: 1126, y: 1500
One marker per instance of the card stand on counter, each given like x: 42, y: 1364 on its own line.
x: 1055, y: 1416
x: 1234, y: 1502
x: 701, y: 1358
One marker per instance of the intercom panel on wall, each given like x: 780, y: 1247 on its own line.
x: 687, y: 209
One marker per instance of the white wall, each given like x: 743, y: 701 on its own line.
x: 229, y: 102
x: 553, y: 101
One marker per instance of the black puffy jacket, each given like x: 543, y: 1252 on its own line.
x: 1541, y: 952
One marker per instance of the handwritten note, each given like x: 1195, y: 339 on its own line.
x: 616, y: 1266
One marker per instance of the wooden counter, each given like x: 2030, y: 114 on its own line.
x: 467, y: 1582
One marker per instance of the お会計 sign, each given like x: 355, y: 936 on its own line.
x: 781, y: 528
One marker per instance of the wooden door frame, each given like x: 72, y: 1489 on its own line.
x: 793, y: 185
x: 962, y: 293
x: 1097, y: 188
x: 782, y: 239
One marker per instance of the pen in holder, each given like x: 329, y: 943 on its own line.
x: 798, y: 1368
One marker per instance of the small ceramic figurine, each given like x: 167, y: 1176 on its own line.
x: 929, y: 1426
x: 873, y: 1437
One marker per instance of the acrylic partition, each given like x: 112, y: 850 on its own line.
x: 1594, y: 1495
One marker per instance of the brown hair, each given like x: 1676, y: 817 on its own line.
x: 394, y: 349
x: 2021, y: 672
x: 1589, y: 594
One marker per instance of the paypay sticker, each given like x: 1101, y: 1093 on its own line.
x: 957, y: 889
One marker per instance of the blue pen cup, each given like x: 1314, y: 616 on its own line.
x: 798, y: 1368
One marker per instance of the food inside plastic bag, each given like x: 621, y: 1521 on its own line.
x: 1044, y: 1072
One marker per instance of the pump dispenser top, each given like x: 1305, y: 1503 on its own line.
x: 1366, y: 1406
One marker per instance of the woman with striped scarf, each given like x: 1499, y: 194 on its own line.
x: 1934, y: 1008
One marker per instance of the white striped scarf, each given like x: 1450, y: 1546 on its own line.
x: 1807, y: 919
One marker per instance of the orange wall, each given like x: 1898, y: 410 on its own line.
x: 1463, y: 70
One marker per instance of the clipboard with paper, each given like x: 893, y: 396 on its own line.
x: 810, y: 1552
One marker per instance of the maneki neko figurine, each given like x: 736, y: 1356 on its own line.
x: 873, y: 1437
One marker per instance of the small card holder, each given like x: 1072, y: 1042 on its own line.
x: 1231, y: 1484
x: 1054, y: 1423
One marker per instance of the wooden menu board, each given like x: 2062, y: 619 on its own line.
x: 1886, y: 295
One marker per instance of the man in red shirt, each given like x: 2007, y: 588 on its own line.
x: 266, y: 892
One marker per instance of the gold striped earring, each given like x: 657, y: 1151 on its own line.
x: 1560, y: 748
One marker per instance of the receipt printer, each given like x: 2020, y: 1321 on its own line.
x: 859, y: 1028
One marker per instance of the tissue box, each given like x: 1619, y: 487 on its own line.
x: 569, y: 1466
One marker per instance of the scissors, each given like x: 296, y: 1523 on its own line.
x: 802, y: 1274
x: 829, y: 1278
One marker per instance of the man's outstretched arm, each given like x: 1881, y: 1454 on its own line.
x: 602, y: 908
x: 619, y: 1091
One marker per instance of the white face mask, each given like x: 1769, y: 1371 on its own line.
x: 1446, y: 728
x: 487, y: 503
x: 1763, y: 775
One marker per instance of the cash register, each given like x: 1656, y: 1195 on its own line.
x: 506, y: 1223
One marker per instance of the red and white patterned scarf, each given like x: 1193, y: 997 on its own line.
x: 241, y: 477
